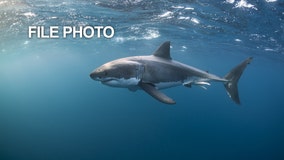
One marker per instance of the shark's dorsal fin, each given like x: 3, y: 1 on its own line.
x: 163, y: 51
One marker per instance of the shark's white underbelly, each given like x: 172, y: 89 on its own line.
x: 126, y: 83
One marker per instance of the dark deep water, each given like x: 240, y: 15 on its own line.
x: 51, y: 109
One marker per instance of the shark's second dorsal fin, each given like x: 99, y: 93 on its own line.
x: 163, y: 51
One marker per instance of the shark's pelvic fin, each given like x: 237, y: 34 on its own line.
x: 233, y: 77
x: 151, y: 90
x: 163, y: 51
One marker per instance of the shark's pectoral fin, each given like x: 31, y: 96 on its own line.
x: 151, y: 90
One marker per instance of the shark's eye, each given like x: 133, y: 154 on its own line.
x: 105, y: 73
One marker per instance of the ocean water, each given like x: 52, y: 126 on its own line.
x: 51, y: 109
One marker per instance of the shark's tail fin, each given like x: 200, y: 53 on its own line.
x: 233, y: 77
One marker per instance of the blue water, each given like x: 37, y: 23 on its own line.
x: 51, y: 109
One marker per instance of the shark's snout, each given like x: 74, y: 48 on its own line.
x: 98, y: 75
x: 94, y: 75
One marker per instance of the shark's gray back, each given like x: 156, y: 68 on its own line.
x: 159, y: 70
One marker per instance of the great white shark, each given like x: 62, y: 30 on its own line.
x: 158, y: 71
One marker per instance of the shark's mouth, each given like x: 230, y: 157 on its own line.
x: 103, y: 79
x: 106, y: 80
x: 120, y: 82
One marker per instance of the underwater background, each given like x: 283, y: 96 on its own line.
x: 51, y: 109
